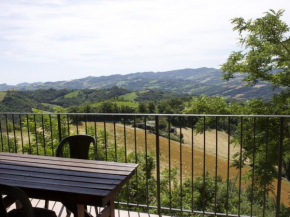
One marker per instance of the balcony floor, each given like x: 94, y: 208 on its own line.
x: 60, y: 210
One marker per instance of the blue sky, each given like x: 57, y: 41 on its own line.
x: 51, y: 40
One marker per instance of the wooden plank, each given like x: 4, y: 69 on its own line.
x: 59, y: 177
x: 19, y: 155
x: 38, y: 165
x: 58, y: 182
x: 61, y: 172
x: 65, y: 163
x: 56, y: 188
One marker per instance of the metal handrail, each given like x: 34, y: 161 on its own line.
x: 37, y: 127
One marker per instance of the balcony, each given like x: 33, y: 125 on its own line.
x: 189, y: 165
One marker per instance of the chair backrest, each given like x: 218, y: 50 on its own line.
x: 19, y: 195
x: 78, y: 146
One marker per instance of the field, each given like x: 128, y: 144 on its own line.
x: 2, y: 95
x: 72, y: 94
x: 120, y: 103
x: 186, y: 152
x: 130, y: 96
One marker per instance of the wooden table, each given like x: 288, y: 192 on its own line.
x: 73, y: 182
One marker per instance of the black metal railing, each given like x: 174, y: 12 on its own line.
x: 207, y: 165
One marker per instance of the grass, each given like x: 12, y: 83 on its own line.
x: 130, y: 96
x: 2, y: 95
x: 72, y: 94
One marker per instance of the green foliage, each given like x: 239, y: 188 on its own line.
x: 44, y: 133
x: 171, y: 106
x: 142, y: 108
x: 208, y: 105
x: 157, y: 95
x: 14, y: 101
x: 266, y: 54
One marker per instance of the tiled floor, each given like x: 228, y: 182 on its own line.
x: 60, y: 210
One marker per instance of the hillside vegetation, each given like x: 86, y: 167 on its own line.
x: 188, y: 81
x: 49, y: 99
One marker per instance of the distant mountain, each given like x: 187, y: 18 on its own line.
x: 188, y: 81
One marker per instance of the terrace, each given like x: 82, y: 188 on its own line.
x: 213, y: 165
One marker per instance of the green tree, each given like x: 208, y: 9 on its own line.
x: 266, y: 53
x: 151, y: 107
x: 142, y: 108
x: 265, y: 57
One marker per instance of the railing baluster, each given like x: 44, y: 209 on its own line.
x: 14, y: 134
x: 77, y: 124
x: 125, y: 144
x: 216, y: 163
x: 35, y: 131
x: 204, y: 161
x: 115, y: 139
x: 169, y: 164
x: 280, y: 158
x: 253, y: 169
x: 136, y: 157
x: 86, y: 124
x: 192, y: 163
x: 28, y: 134
x: 266, y: 165
x: 43, y: 136
x: 96, y: 137
x: 180, y: 158
x: 240, y: 172
x: 125, y: 139
x: 51, y: 135
x: 67, y: 121
x: 146, y: 165
x: 59, y: 127
x: 105, y: 132
x: 158, y: 165
x: 2, y: 144
x: 7, y: 132
x: 21, y: 133
x: 228, y: 167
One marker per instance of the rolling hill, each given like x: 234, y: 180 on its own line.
x: 188, y: 81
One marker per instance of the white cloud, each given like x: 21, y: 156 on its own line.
x: 51, y: 40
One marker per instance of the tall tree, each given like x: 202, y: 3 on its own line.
x: 265, y: 57
x: 266, y: 51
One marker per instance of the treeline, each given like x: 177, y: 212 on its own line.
x: 168, y: 106
x: 46, y: 99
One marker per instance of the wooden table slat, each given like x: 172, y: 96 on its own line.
x: 59, y: 177
x: 58, y: 182
x: 51, y: 187
x: 59, y: 167
x: 112, y: 168
x: 73, y: 160
x: 57, y: 171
